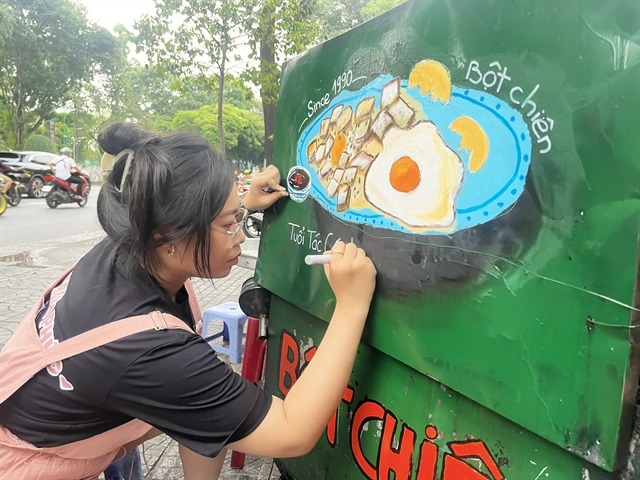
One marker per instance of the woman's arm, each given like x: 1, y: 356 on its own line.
x: 293, y: 425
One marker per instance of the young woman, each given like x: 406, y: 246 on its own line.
x: 110, y: 356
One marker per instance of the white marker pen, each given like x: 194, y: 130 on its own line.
x: 317, y: 259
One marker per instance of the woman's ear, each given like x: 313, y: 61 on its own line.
x: 160, y: 234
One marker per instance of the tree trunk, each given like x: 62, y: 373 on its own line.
x: 19, y: 124
x: 269, y: 76
x: 35, y: 126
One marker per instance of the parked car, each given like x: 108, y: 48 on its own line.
x: 29, y: 168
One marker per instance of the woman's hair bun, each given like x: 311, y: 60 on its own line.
x: 120, y: 136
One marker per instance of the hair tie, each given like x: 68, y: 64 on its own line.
x: 127, y: 166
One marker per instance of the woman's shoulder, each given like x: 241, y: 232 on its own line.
x: 104, y: 292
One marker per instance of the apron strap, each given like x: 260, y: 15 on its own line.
x: 110, y: 332
x: 24, y: 355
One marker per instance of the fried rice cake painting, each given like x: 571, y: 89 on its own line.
x: 416, y: 155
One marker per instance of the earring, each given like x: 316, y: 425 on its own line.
x: 172, y: 250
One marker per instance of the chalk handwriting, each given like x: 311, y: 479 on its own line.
x: 312, y: 240
x: 495, y: 78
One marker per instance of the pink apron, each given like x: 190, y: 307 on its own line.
x: 24, y: 355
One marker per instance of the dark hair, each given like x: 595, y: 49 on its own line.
x: 176, y: 185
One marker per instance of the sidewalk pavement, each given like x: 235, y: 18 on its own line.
x: 27, y: 269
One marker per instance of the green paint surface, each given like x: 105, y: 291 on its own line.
x: 528, y: 315
x: 416, y: 402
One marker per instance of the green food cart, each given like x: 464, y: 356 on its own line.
x: 486, y: 155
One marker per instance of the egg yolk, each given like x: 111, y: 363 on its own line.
x: 404, y: 175
x: 339, y: 146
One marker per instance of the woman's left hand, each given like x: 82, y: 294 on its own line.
x: 265, y: 190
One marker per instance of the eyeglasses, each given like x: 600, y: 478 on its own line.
x: 236, y: 226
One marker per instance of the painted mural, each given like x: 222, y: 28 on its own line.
x: 415, y: 155
x: 491, y: 175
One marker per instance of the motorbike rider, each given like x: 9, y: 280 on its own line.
x: 65, y: 168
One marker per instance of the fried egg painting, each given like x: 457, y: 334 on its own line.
x: 415, y: 178
x: 418, y: 155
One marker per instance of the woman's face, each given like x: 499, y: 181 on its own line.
x: 225, y: 247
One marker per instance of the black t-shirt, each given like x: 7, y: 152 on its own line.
x: 171, y: 379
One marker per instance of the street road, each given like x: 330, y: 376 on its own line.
x: 33, y: 221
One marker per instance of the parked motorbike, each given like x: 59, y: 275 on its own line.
x: 252, y: 226
x: 14, y: 194
x: 9, y: 198
x: 64, y: 192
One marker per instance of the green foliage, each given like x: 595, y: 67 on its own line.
x: 377, y: 7
x: 148, y: 97
x: 278, y: 29
x: 38, y: 142
x: 191, y: 36
x: 47, y: 49
x: 55, y: 64
x: 236, y: 92
x: 336, y: 17
x: 195, y: 38
x: 7, y: 135
x: 243, y: 130
x: 141, y: 93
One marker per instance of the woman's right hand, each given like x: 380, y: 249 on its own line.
x: 351, y: 274
x: 265, y: 190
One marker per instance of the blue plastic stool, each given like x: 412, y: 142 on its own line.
x: 232, y: 331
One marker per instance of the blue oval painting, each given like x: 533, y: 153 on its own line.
x: 393, y: 156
